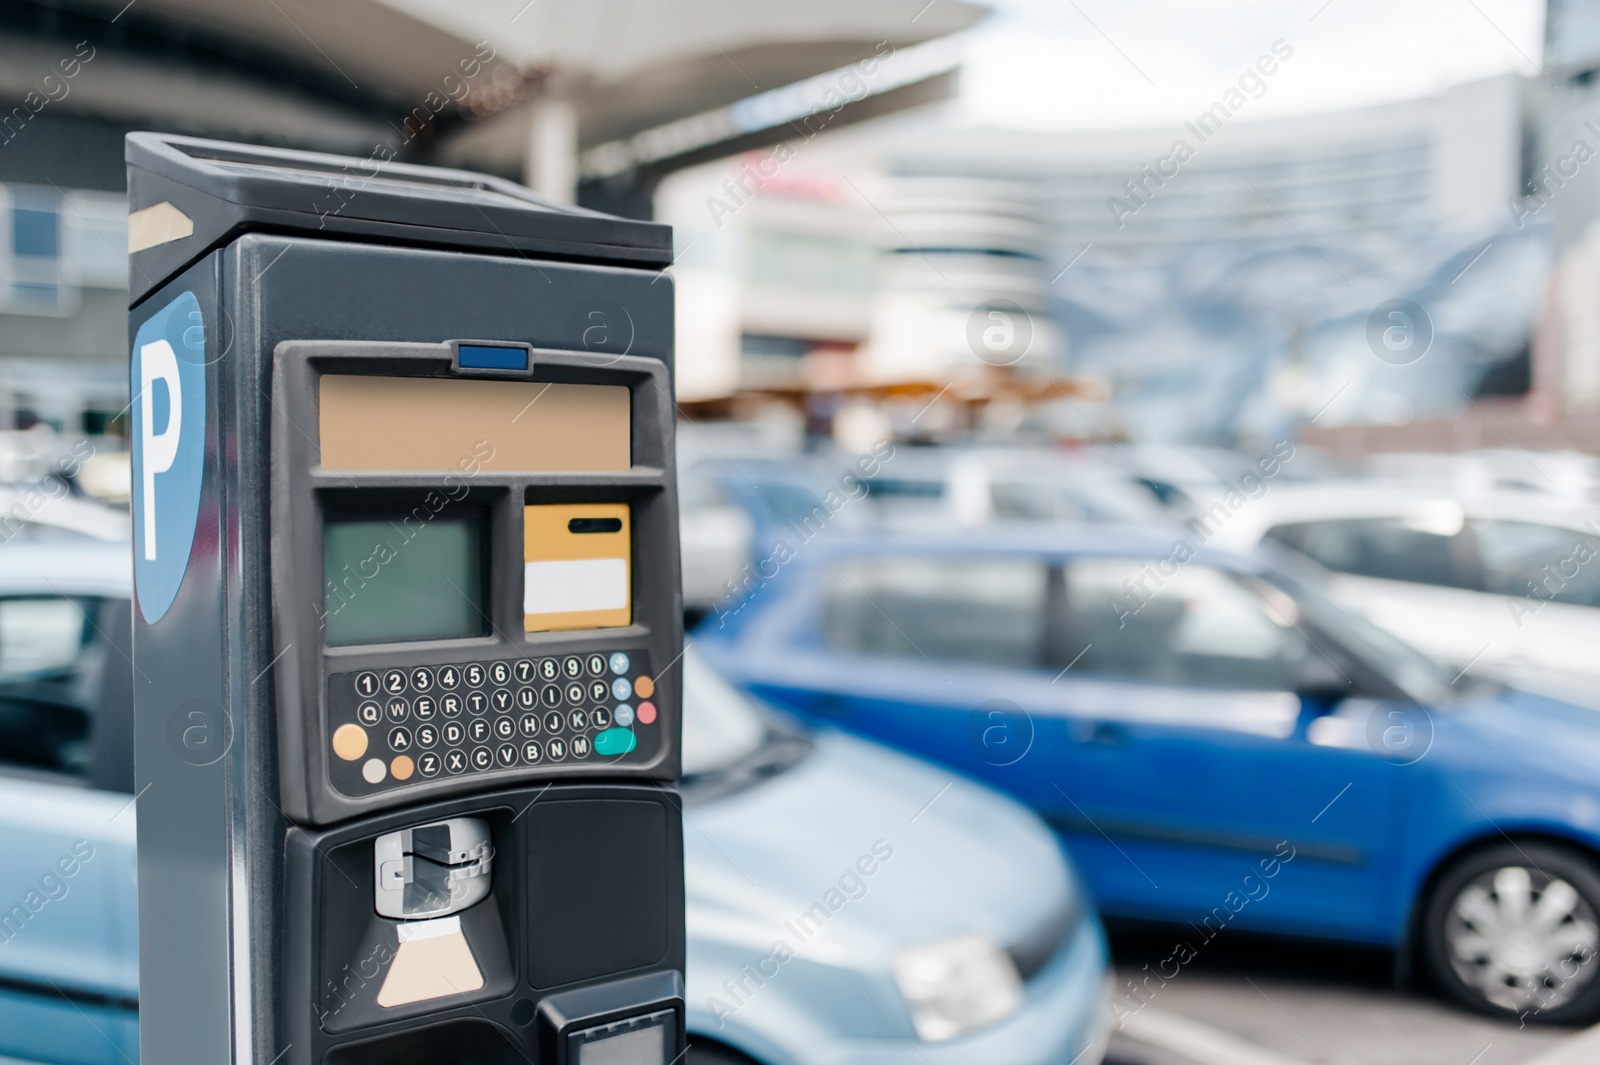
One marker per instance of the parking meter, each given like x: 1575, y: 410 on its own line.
x: 407, y: 617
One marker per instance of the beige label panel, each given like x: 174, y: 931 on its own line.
x: 440, y: 424
x: 577, y: 567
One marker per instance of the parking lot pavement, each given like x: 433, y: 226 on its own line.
x: 1269, y: 1003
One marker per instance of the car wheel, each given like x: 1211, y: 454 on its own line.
x: 1514, y: 930
x: 703, y: 1053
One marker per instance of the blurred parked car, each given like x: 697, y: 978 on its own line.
x: 1220, y: 744
x: 1571, y: 475
x: 69, y: 975
x: 948, y: 926
x: 1506, y: 583
x: 47, y: 510
x: 971, y: 940
x: 714, y: 537
x: 1188, y: 480
x: 719, y: 528
x: 772, y: 506
x: 734, y: 512
x: 977, y: 486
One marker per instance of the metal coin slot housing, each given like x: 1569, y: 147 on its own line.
x: 432, y: 870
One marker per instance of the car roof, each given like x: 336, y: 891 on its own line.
x: 1055, y: 540
x: 83, y: 567
x: 43, y: 505
x: 1288, y: 504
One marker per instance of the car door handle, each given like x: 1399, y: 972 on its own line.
x: 1108, y: 733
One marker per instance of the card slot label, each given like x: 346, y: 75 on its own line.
x: 583, y: 584
x: 577, y: 571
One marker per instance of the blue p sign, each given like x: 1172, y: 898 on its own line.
x: 169, y: 434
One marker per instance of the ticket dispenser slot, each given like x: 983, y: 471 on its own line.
x: 422, y: 876
x: 430, y: 604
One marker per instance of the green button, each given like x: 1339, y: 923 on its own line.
x: 615, y: 741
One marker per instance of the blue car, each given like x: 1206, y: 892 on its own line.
x: 846, y: 904
x: 1220, y: 746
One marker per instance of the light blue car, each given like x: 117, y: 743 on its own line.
x: 846, y: 904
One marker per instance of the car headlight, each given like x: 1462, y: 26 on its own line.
x: 956, y: 985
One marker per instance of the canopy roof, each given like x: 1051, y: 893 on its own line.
x: 628, y: 65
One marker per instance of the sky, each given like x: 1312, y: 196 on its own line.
x: 1093, y: 64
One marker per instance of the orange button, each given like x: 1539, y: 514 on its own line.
x: 647, y: 713
x: 401, y: 767
x: 349, y: 742
x: 644, y: 687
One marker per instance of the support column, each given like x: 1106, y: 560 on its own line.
x: 551, y: 165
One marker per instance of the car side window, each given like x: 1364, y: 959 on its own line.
x: 1194, y: 626
x: 1387, y: 548
x: 54, y: 667
x: 698, y: 493
x: 1522, y: 558
x: 948, y: 609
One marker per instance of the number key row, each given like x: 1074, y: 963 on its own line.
x: 424, y: 679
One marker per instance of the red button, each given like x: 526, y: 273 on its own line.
x: 647, y: 713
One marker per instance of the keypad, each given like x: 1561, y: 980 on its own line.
x: 426, y: 722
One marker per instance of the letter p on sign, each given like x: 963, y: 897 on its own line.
x: 168, y: 383
x: 157, y: 363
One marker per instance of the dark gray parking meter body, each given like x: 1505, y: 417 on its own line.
x: 407, y: 616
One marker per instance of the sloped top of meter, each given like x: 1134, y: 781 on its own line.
x: 187, y: 196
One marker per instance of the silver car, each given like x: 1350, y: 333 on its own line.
x: 851, y: 904
x: 845, y: 904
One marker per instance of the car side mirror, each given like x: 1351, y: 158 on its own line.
x: 1321, y: 686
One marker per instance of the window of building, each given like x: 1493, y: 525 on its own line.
x: 30, y: 252
x: 94, y: 230
x: 790, y: 259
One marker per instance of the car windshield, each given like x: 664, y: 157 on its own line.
x: 721, y: 726
x: 1413, y: 672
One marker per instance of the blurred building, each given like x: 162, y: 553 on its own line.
x: 823, y: 280
x: 1558, y: 203
x: 1571, y: 38
x: 72, y: 82
x: 1204, y: 271
x: 523, y: 90
x: 1143, y: 196
x: 1208, y: 270
x: 1221, y: 276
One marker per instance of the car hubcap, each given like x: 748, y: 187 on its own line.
x: 1522, y: 939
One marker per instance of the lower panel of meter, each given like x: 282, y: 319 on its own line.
x: 533, y: 924
x: 388, y: 728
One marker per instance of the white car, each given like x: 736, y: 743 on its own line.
x: 969, y: 487
x: 46, y: 510
x: 1505, y: 584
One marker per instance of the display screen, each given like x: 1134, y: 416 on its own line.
x: 402, y: 579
